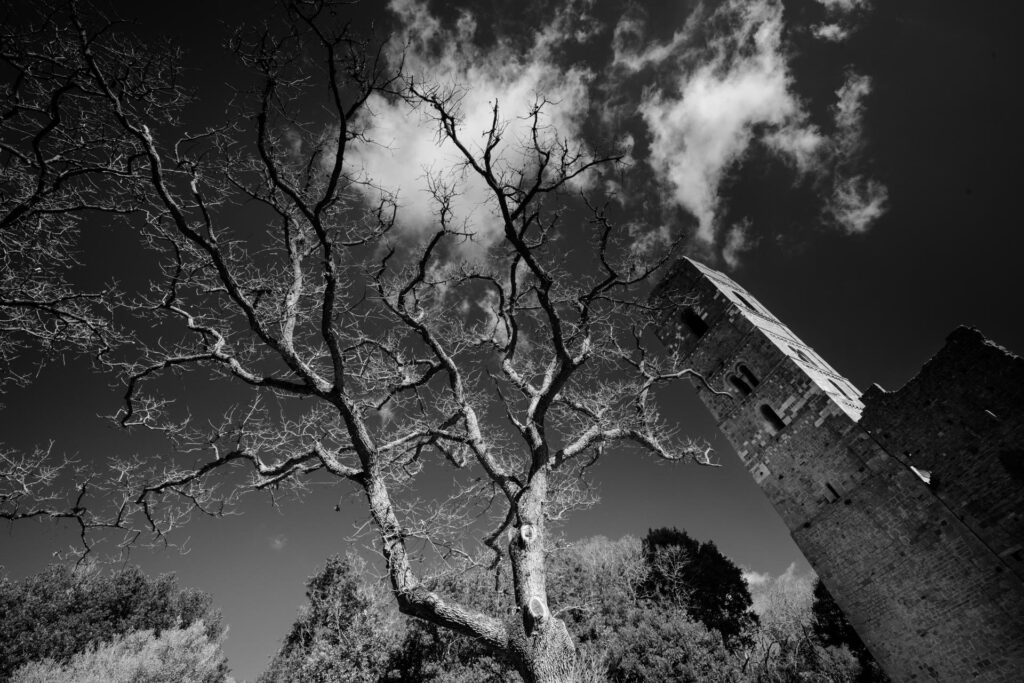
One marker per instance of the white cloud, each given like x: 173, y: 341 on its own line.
x: 844, y: 5
x: 629, y: 35
x: 756, y: 578
x: 849, y: 112
x: 721, y: 96
x: 803, y: 144
x: 857, y: 203
x: 842, y: 19
x: 403, y: 155
x: 737, y: 241
x: 646, y: 242
x: 831, y: 32
x: 278, y: 542
x: 709, y: 122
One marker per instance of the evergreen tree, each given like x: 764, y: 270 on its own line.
x: 686, y: 572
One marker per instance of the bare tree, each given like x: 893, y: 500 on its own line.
x: 370, y: 354
x: 66, y: 165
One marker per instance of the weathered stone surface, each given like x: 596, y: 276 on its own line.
x: 930, y: 575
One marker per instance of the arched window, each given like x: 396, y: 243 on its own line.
x: 692, y: 321
x: 772, y: 420
x: 803, y: 356
x: 748, y: 375
x: 740, y: 385
x: 839, y: 387
x: 746, y: 303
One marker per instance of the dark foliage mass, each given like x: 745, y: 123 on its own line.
x: 632, y: 614
x: 832, y: 629
x: 61, y: 612
x: 686, y: 572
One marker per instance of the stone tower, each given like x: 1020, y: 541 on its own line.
x: 934, y: 594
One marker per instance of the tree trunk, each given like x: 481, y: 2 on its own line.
x: 543, y: 650
x: 548, y: 655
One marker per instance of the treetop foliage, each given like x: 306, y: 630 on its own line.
x: 697, y: 575
x: 61, y: 612
x: 624, y: 630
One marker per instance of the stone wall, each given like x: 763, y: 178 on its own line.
x: 928, y: 595
x: 961, y: 419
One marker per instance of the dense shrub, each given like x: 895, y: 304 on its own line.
x: 176, y: 655
x: 61, y: 612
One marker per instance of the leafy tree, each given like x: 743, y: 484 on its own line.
x: 344, y: 633
x: 176, y: 655
x: 62, y: 612
x: 832, y: 629
x: 783, y: 646
x: 684, y: 571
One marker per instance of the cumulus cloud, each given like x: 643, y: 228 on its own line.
x: 716, y: 109
x: 277, y: 542
x: 843, y: 17
x: 844, y: 5
x: 801, y: 143
x: 857, y: 201
x: 739, y: 91
x: 646, y: 242
x: 402, y: 158
x: 633, y: 52
x: 737, y: 241
x: 830, y: 32
x: 849, y: 112
x: 720, y: 85
x: 754, y: 578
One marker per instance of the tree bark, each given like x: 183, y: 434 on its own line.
x: 542, y: 648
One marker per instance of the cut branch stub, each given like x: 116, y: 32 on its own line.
x: 527, y: 534
x: 538, y: 609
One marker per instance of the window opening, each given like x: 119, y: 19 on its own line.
x: 694, y: 322
x: 772, y: 419
x: 837, y: 386
x: 835, y: 494
x: 745, y: 302
x: 740, y: 385
x: 748, y: 375
x: 801, y: 355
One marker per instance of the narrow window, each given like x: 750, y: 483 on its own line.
x: 748, y: 375
x: 740, y: 385
x: 801, y: 355
x: 692, y: 321
x: 745, y: 302
x: 837, y: 386
x: 834, y: 494
x: 772, y: 419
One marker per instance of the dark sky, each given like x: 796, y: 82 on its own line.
x: 939, y: 129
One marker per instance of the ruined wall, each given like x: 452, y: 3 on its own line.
x: 928, y: 597
x: 961, y: 419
